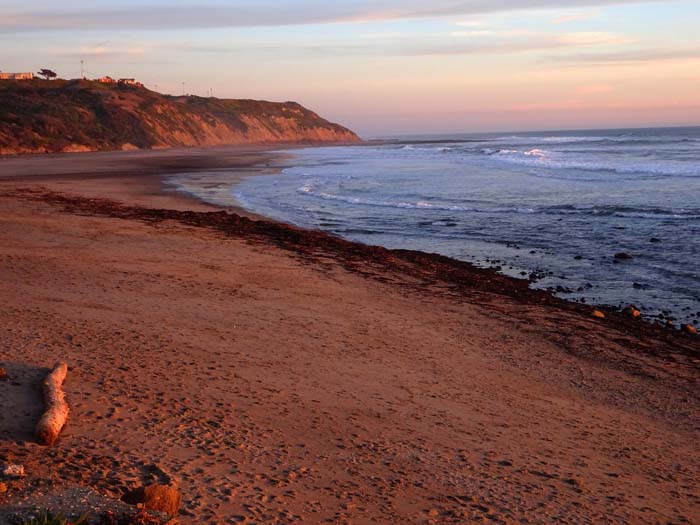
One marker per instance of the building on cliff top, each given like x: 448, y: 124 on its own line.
x: 106, y: 80
x: 129, y: 82
x: 16, y: 76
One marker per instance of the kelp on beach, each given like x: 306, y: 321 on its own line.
x: 419, y: 271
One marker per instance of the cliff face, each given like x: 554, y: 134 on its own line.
x: 41, y: 117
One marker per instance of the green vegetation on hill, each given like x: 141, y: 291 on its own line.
x: 40, y: 116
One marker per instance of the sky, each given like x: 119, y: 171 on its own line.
x: 387, y: 67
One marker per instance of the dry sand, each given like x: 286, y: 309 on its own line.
x: 280, y: 384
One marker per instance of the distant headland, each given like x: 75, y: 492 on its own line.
x: 54, y: 116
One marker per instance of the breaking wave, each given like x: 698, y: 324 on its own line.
x: 585, y: 161
x: 313, y: 190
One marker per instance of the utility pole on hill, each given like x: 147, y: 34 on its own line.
x: 82, y: 69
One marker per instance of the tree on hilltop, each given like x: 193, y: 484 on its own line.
x: 47, y: 74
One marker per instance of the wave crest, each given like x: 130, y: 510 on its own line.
x: 312, y: 189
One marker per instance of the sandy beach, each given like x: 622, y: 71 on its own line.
x: 285, y: 376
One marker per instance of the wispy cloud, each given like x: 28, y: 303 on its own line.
x: 500, y: 43
x: 593, y: 89
x: 577, y: 16
x: 473, y: 24
x: 101, y: 51
x: 591, y: 39
x: 506, y: 41
x: 246, y: 14
x: 474, y: 33
x: 456, y: 43
x: 628, y: 57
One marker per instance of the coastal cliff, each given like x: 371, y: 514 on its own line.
x: 40, y: 116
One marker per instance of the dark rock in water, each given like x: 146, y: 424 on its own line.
x: 632, y: 311
x: 536, y: 276
x: 654, y: 239
x: 623, y: 256
x: 639, y: 286
x: 578, y: 257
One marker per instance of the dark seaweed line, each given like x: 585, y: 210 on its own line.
x: 463, y: 280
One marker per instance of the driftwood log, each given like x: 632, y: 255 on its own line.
x: 53, y: 419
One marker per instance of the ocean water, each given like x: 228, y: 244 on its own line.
x: 560, y: 204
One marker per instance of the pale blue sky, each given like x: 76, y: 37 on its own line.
x: 388, y: 66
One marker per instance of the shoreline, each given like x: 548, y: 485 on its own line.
x: 138, y: 177
x: 285, y: 375
x: 453, y: 276
x: 536, y: 272
x: 144, y: 178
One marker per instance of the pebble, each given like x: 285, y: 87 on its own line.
x: 689, y: 329
x: 13, y: 471
x: 598, y: 314
x: 164, y: 498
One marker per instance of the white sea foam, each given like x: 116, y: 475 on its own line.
x: 593, y: 210
x: 556, y: 196
x: 584, y: 161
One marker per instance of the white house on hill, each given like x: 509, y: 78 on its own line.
x: 16, y: 76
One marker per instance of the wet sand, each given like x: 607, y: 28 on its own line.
x: 140, y: 177
x: 285, y: 376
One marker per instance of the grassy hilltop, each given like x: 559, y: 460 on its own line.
x: 40, y: 116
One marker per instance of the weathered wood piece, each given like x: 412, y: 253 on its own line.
x: 53, y: 419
